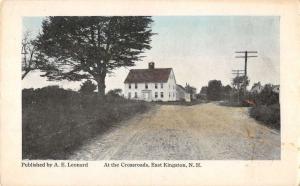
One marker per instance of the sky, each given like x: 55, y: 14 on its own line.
x: 198, y: 48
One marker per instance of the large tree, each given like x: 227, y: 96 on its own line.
x: 214, y: 90
x: 92, y: 47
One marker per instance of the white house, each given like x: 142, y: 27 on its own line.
x: 152, y: 84
x: 182, y: 94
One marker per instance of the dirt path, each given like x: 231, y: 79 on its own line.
x: 169, y: 132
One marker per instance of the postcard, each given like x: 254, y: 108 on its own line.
x: 149, y: 92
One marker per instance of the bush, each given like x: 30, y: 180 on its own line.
x: 267, y: 109
x: 114, y: 92
x: 267, y: 96
x: 270, y: 115
x: 56, y: 121
x: 88, y: 87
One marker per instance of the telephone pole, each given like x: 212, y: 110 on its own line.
x: 246, y: 56
x: 238, y: 72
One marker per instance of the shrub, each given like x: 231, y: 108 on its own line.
x: 270, y: 115
x: 115, y: 92
x: 267, y: 96
x: 88, y: 87
x: 267, y: 107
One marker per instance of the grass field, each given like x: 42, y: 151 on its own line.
x: 55, y: 121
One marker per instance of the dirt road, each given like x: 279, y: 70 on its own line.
x: 202, y: 132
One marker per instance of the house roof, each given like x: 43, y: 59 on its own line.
x: 180, y: 86
x: 156, y: 75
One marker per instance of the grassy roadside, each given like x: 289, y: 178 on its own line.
x: 269, y: 115
x: 55, y: 121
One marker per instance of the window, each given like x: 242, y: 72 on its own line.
x: 173, y: 94
x: 129, y: 95
x: 161, y: 85
x: 155, y: 85
x: 129, y: 86
x: 161, y: 94
x: 146, y: 85
x: 135, y: 95
x: 156, y: 95
x: 135, y: 85
x: 169, y: 94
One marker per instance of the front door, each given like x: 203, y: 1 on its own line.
x: 147, y: 95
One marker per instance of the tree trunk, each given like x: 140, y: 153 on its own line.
x: 101, y: 86
x: 25, y: 73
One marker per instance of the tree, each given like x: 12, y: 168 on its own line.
x: 240, y: 82
x: 226, y: 90
x: 267, y: 96
x: 214, y: 90
x: 203, y: 90
x: 203, y: 93
x: 258, y: 84
x: 28, y: 52
x: 87, y: 87
x: 92, y: 47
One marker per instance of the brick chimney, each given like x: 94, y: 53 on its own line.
x: 151, y: 65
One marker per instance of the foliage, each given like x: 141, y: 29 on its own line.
x: 29, y: 54
x: 227, y: 88
x: 258, y: 84
x: 87, y: 87
x: 91, y: 47
x: 115, y: 92
x: 267, y: 96
x: 226, y: 91
x: 203, y: 90
x: 203, y: 93
x: 214, y: 90
x: 270, y: 115
x: 56, y: 121
x: 240, y: 82
x: 267, y: 107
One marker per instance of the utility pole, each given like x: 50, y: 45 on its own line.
x: 237, y: 73
x: 247, y: 54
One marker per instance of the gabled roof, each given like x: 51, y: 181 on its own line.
x: 181, y: 87
x: 157, y: 75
